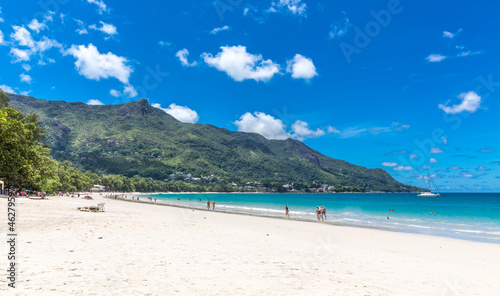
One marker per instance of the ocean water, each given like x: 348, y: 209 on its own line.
x: 470, y: 216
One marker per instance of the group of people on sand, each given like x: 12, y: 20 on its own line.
x: 213, y: 205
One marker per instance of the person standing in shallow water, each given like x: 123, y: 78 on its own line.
x: 286, y: 212
x: 213, y: 205
x: 208, y: 204
x: 318, y: 213
x: 323, y: 212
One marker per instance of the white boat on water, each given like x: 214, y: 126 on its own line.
x: 430, y: 194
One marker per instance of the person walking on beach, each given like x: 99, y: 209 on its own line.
x: 286, y: 212
x: 318, y: 213
x: 208, y: 204
x: 323, y: 212
x: 213, y: 205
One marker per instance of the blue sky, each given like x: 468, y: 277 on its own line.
x: 401, y: 85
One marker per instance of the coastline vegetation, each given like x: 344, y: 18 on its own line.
x: 136, y: 147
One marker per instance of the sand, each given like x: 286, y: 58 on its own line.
x: 142, y: 249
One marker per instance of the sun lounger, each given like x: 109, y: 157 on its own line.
x: 98, y: 208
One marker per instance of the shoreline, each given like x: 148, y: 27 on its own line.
x: 336, y: 224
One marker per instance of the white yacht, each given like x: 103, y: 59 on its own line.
x: 430, y: 194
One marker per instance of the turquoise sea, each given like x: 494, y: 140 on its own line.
x: 470, y: 216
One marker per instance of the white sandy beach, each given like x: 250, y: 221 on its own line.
x: 142, y: 249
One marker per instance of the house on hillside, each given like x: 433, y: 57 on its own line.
x: 98, y: 188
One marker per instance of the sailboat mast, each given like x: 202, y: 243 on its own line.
x: 429, y: 180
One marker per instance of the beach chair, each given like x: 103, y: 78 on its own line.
x: 101, y: 207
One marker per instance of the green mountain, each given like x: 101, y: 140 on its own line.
x: 137, y: 139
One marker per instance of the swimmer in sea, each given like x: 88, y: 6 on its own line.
x: 286, y: 212
x: 208, y: 204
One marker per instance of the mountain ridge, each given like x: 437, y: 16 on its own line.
x: 136, y: 138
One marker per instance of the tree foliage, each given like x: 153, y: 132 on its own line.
x: 136, y: 139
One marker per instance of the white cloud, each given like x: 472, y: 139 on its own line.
x: 447, y: 34
x: 1, y: 38
x: 301, y: 67
x: 25, y: 78
x: 466, y: 174
x: 470, y: 102
x: 332, y: 130
x: 414, y: 156
x: 20, y: 54
x: 450, y: 35
x: 433, y: 160
x: 182, y: 55
x: 130, y: 91
x: 399, y: 127
x: 7, y: 88
x: 115, y: 93
x: 105, y: 28
x: 22, y: 36
x: 435, y: 58
x: 181, y: 113
x: 340, y: 28
x: 263, y: 124
x: 402, y: 168
x: 34, y: 25
x: 79, y: 22
x: 301, y: 131
x: 356, y: 131
x: 217, y: 30
x: 240, y: 65
x: 164, y: 43
x: 45, y: 44
x: 468, y: 53
x: 445, y: 141
x: 1, y: 19
x: 389, y: 164
x: 82, y: 31
x: 94, y: 102
x: 296, y: 7
x: 100, y: 4
x: 48, y: 16
x: 26, y: 67
x: 94, y: 65
x: 436, y: 150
